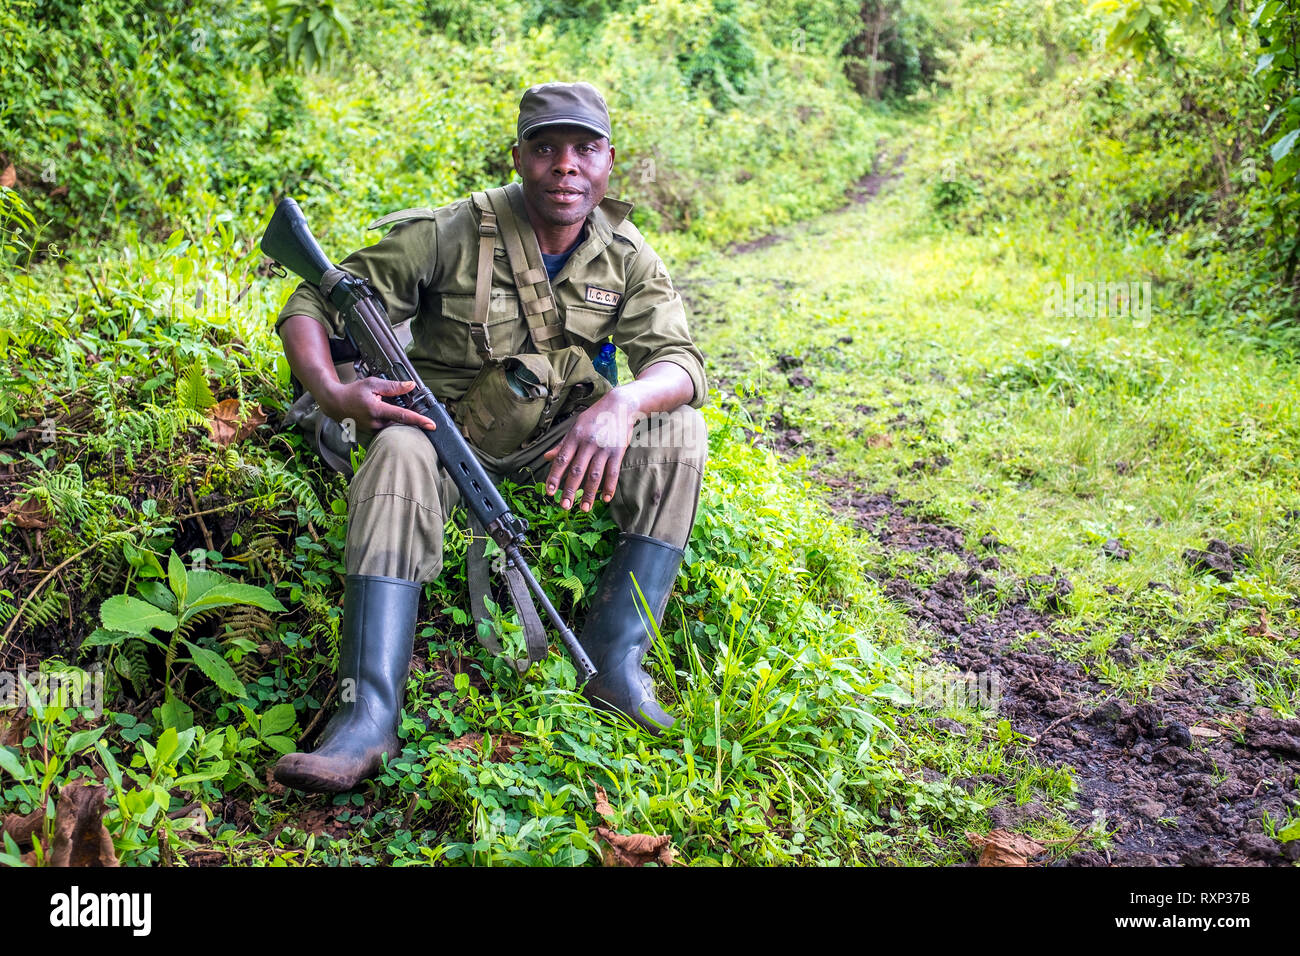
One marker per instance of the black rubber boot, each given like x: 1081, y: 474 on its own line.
x: 616, y: 635
x: 374, y: 661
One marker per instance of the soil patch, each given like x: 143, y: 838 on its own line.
x: 863, y: 190
x: 1186, y: 777
x: 869, y: 186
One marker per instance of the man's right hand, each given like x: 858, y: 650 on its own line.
x: 363, y: 402
x: 307, y: 348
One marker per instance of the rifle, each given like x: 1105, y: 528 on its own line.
x: 288, y: 240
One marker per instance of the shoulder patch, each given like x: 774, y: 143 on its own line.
x: 417, y: 212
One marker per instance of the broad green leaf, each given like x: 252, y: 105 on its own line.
x: 81, y: 739
x: 1264, y: 61
x: 124, y: 613
x: 14, y: 855
x: 1282, y: 148
x: 100, y: 637
x: 168, y: 742
x: 295, y: 38
x: 184, y: 741
x: 12, y: 766
x: 218, y: 670
x: 199, y: 583
x: 174, y: 713
x: 218, y: 769
x: 894, y: 693
x: 176, y: 577
x: 278, y: 718
x: 151, y: 566
x: 158, y: 594
x: 33, y: 698
x: 233, y: 592
x: 110, y: 764
x: 281, y: 743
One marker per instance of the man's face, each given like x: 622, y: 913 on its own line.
x: 565, y: 172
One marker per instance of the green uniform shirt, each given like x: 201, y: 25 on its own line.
x: 614, y: 285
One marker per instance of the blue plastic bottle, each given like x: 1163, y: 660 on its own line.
x: 606, y: 364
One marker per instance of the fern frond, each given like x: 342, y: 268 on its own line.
x: 248, y: 669
x: 573, y: 585
x: 45, y: 609
x: 192, y: 390
x: 62, y: 492
x: 302, y: 494
x: 324, y: 626
x: 186, y: 630
x: 246, y: 622
x: 169, y: 659
x: 104, y: 573
x: 137, y: 665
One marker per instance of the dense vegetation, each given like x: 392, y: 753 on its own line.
x: 158, y: 524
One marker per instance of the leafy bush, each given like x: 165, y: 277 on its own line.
x: 170, y: 129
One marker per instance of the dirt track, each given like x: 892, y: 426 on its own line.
x: 1184, y: 779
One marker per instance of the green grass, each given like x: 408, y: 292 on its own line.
x: 921, y: 318
x: 1062, y: 433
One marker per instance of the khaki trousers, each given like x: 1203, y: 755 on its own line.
x: 400, y: 498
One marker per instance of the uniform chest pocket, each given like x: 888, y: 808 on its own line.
x: 451, y: 344
x: 589, y: 326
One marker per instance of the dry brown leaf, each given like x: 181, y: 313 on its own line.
x: 80, y: 838
x: 13, y: 729
x: 634, y: 849
x: 503, y: 745
x: 228, y: 423
x: 1003, y: 848
x: 1207, y: 732
x: 8, y: 177
x: 1261, y: 629
x: 880, y: 441
x: 30, y: 513
x: 22, y: 828
x: 602, y: 804
x: 465, y: 742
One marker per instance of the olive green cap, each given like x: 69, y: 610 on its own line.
x: 568, y: 104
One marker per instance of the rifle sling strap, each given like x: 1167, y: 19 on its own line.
x: 477, y: 565
x: 498, y: 217
x: 329, y: 280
